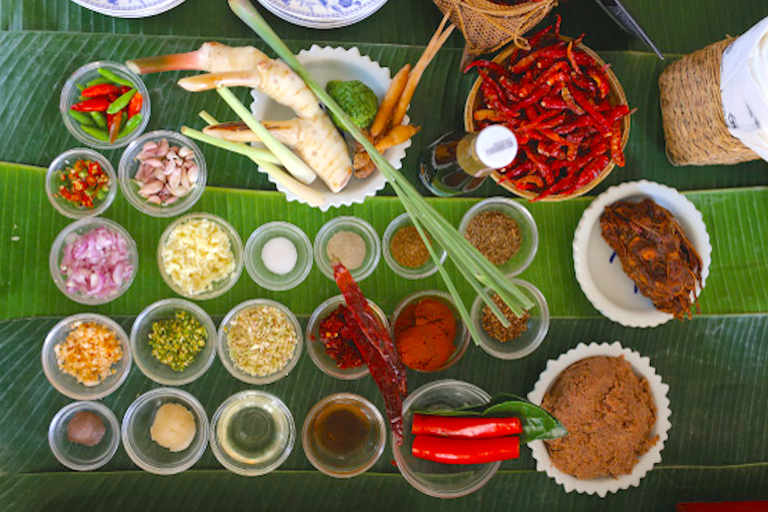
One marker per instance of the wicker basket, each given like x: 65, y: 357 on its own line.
x: 488, y: 26
x: 692, y: 111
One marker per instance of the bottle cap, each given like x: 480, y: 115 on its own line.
x: 496, y: 146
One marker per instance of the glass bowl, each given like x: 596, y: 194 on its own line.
x: 78, y: 456
x: 259, y: 271
x: 538, y: 326
x: 529, y: 233
x: 129, y: 166
x: 460, y: 342
x: 52, y: 182
x: 146, y: 453
x: 433, y: 478
x: 260, y: 426
x: 359, y: 227
x: 223, y: 348
x: 425, y: 270
x: 316, y: 348
x: 70, y: 95
x: 68, y: 235
x: 142, y: 352
x: 353, y: 462
x: 219, y: 287
x: 68, y: 385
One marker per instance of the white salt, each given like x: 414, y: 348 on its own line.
x: 279, y: 255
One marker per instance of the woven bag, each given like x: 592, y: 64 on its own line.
x: 488, y: 26
x: 692, y: 111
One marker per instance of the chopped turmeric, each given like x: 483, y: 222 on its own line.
x: 424, y: 335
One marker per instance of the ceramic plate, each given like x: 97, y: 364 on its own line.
x: 600, y: 274
x: 326, y: 64
x: 129, y: 8
x: 322, y: 14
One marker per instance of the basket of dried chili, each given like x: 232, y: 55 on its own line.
x: 566, y: 107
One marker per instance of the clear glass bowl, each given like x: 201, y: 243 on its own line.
x: 529, y: 233
x: 68, y: 385
x: 538, y: 326
x: 259, y: 271
x: 425, y: 270
x: 67, y: 235
x: 219, y: 287
x: 223, y: 348
x: 351, y: 464
x: 142, y: 352
x: 146, y: 453
x: 70, y: 95
x: 77, y: 456
x: 68, y: 159
x: 129, y: 166
x: 316, y: 348
x: 359, y: 227
x: 262, y: 414
x: 433, y: 478
x: 460, y: 342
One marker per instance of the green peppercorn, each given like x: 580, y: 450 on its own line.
x: 177, y: 341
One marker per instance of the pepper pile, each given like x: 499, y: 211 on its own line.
x: 110, y: 107
x: 83, y: 184
x: 555, y: 98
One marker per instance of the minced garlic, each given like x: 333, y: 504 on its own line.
x: 198, y: 253
x: 88, y: 353
x: 261, y: 340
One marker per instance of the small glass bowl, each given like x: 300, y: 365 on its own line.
x: 70, y: 95
x: 219, y: 287
x: 77, y: 456
x: 68, y: 385
x: 146, y: 453
x: 433, y: 478
x: 316, y: 348
x: 68, y: 159
x: 425, y: 270
x: 142, y: 352
x: 259, y: 271
x: 128, y: 167
x: 359, y: 227
x: 269, y: 415
x: 223, y: 348
x: 538, y: 325
x: 529, y: 233
x: 350, y: 464
x: 460, y: 342
x: 67, y: 235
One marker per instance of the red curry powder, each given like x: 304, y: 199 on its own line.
x: 424, y: 334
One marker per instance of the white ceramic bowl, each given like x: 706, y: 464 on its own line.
x: 321, y: 14
x: 642, y: 368
x: 600, y: 275
x: 141, y: 9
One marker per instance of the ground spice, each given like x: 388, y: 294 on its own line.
x: 177, y: 341
x: 347, y: 248
x: 492, y: 325
x: 408, y: 248
x: 424, y: 334
x: 496, y: 235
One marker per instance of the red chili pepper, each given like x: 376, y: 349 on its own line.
x: 489, y: 65
x: 553, y: 102
x: 134, y: 106
x: 583, y: 59
x: 535, y: 38
x: 100, y: 90
x: 617, y: 154
x: 591, y: 171
x: 92, y: 105
x: 517, y: 170
x: 571, y: 60
x: 568, y: 99
x: 616, y: 113
x: 114, y: 126
x: 465, y: 451
x: 601, y: 80
x: 529, y: 182
x: 465, y: 427
x: 584, y: 103
x: 124, y: 89
x: 555, y: 51
x: 533, y: 98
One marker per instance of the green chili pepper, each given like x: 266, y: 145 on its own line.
x: 81, y: 87
x: 109, y: 75
x: 97, y: 81
x: 96, y: 133
x: 131, y: 125
x: 121, y: 102
x: 81, y: 118
x: 100, y: 119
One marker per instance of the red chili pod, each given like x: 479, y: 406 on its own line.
x: 465, y: 451
x: 470, y: 427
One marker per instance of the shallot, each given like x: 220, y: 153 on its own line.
x: 166, y: 173
x: 96, y: 263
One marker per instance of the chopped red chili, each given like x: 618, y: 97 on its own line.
x: 84, y: 184
x: 336, y: 334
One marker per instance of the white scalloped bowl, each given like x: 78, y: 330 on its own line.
x: 326, y: 64
x: 642, y: 368
x: 600, y: 275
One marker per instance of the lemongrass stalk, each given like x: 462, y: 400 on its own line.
x: 208, y: 118
x: 255, y: 154
x: 288, y: 158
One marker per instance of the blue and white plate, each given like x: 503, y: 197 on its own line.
x: 322, y: 14
x: 129, y: 8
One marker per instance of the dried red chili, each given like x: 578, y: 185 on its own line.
x: 335, y: 333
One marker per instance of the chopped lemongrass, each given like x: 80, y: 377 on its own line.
x: 477, y: 270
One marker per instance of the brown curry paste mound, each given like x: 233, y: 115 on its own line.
x: 609, y: 413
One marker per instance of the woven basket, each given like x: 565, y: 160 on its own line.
x: 692, y: 111
x: 488, y: 26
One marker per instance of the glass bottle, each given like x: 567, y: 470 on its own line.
x: 457, y: 163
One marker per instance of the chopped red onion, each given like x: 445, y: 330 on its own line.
x: 96, y: 263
